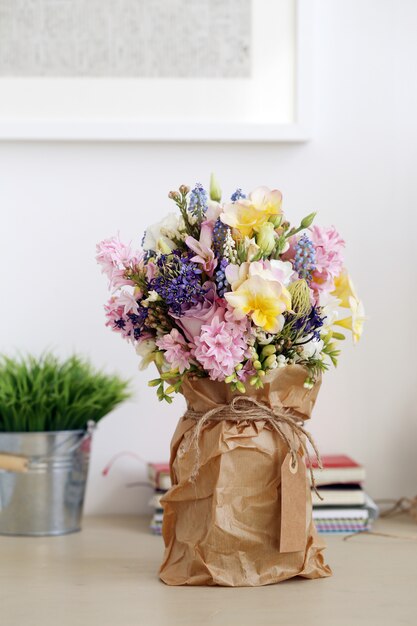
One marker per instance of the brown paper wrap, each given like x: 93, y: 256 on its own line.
x: 226, y: 526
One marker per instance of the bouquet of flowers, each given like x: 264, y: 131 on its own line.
x: 231, y: 291
x: 241, y: 312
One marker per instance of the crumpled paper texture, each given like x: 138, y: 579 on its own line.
x: 224, y: 528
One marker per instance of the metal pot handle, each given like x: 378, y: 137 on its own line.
x: 20, y: 463
x: 13, y: 462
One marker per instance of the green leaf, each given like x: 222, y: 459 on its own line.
x: 44, y: 394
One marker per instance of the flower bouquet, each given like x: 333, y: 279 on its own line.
x: 241, y: 313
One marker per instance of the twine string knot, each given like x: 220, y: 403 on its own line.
x: 244, y: 408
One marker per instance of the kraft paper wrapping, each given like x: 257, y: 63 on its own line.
x: 225, y: 527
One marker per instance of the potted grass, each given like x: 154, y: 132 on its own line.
x: 48, y: 409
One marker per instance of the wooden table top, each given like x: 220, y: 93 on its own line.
x: 107, y: 576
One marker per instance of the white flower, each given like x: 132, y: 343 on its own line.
x: 159, y: 236
x: 284, y: 268
x: 251, y: 248
x: 274, y: 270
x: 170, y: 226
x: 312, y: 349
x: 262, y: 337
x: 281, y: 360
x: 146, y: 349
x: 213, y: 210
x: 181, y: 226
x: 152, y: 297
x: 329, y: 305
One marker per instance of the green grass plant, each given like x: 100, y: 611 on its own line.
x: 47, y: 394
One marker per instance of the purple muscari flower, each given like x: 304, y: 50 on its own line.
x: 305, y: 258
x: 220, y: 231
x: 237, y: 195
x: 178, y: 282
x: 197, y: 204
x: 220, y: 278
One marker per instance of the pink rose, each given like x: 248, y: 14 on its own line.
x: 202, y: 313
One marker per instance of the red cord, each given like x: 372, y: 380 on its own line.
x: 114, y: 458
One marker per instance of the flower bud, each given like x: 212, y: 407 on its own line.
x: 275, y: 220
x: 215, y: 190
x: 240, y: 387
x: 184, y: 190
x: 266, y: 238
x: 159, y: 358
x: 300, y: 297
x: 268, y: 350
x: 308, y: 220
x: 154, y: 383
x: 162, y: 246
x: 257, y: 365
x: 170, y: 389
x: 270, y: 362
x: 174, y: 195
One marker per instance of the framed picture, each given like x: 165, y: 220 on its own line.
x: 149, y: 70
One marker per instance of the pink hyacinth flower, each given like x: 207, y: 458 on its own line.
x: 220, y: 347
x: 115, y: 257
x: 328, y: 246
x: 177, y: 352
x: 117, y: 319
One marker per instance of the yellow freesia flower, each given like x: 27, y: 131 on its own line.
x: 242, y: 217
x: 249, y: 214
x: 266, y: 201
x: 356, y: 321
x: 344, y: 289
x: 263, y: 301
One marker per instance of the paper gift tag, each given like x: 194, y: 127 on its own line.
x: 293, y: 505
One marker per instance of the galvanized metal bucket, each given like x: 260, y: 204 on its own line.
x: 45, y: 495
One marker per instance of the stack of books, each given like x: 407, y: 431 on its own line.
x: 160, y: 479
x: 345, y: 507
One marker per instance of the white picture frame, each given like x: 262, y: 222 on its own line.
x: 40, y: 117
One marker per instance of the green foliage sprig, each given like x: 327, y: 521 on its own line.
x: 46, y: 394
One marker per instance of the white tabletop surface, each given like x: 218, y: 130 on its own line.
x: 106, y: 575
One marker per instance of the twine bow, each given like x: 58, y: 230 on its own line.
x: 244, y: 408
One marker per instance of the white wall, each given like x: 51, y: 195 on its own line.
x: 57, y: 200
